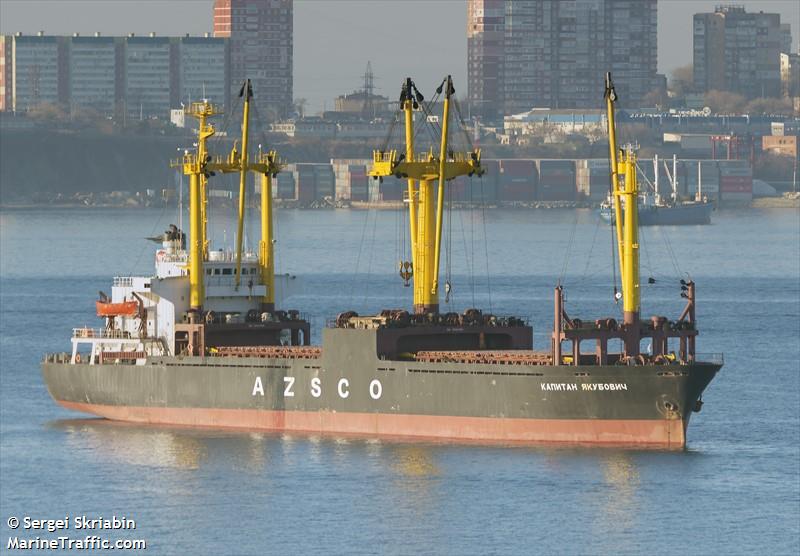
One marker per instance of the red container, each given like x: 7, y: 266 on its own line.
x: 556, y: 192
x: 736, y: 184
x: 517, y: 168
x: 516, y: 189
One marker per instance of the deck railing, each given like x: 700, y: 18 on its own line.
x: 101, y: 333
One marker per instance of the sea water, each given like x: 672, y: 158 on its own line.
x: 734, y: 490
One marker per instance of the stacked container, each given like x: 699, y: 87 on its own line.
x: 391, y: 189
x: 556, y: 180
x: 305, y: 177
x: 350, y: 174
x: 735, y: 181
x: 284, y: 184
x: 518, y: 180
x: 457, y: 189
x: 325, y: 184
x: 592, y: 179
x: 483, y: 189
x: 708, y: 172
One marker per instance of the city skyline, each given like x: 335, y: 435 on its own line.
x: 329, y: 62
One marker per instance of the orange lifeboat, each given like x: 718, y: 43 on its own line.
x: 123, y: 309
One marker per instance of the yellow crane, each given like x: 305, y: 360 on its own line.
x: 199, y: 166
x: 625, y: 196
x: 426, y: 202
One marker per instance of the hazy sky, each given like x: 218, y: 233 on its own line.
x: 334, y: 39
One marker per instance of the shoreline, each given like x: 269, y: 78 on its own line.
x: 758, y: 203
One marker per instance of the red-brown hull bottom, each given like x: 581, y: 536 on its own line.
x: 658, y: 433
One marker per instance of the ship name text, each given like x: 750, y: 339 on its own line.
x: 591, y: 387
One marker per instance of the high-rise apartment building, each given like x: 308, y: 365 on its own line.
x: 786, y: 37
x: 261, y: 44
x: 135, y: 77
x: 204, y: 72
x: 5, y: 73
x: 485, y: 57
x: 147, y: 75
x: 92, y: 66
x: 554, y: 53
x: 35, y: 70
x: 738, y: 51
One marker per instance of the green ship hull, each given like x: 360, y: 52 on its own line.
x: 350, y: 390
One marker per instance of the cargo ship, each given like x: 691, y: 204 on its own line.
x: 656, y: 210
x: 202, y: 343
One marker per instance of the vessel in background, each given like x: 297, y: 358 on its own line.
x: 658, y: 210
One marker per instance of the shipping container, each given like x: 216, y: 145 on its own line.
x: 592, y: 179
x: 735, y: 181
x: 734, y: 168
x: 491, y: 168
x: 391, y: 189
x: 457, y: 189
x: 482, y: 190
x: 518, y: 180
x: 514, y: 167
x: 557, y: 180
x: 689, y: 175
x: 325, y: 182
x: 305, y: 189
x: 342, y: 170
x: 359, y: 188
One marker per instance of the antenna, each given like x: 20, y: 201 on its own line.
x: 369, y: 91
x: 180, y: 197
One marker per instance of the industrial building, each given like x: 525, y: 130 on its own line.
x: 549, y: 125
x: 261, y: 42
x: 126, y: 77
x: 739, y: 52
x: 552, y: 54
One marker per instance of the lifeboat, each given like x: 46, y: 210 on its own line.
x: 123, y: 309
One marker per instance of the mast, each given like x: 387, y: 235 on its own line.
x: 627, y: 228
x: 611, y: 98
x: 426, y: 228
x: 674, y: 178
x: 199, y: 166
x: 407, y: 101
x: 699, y: 195
x: 195, y: 165
x: 656, y: 172
x: 449, y: 90
x: 268, y: 166
x: 247, y: 92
